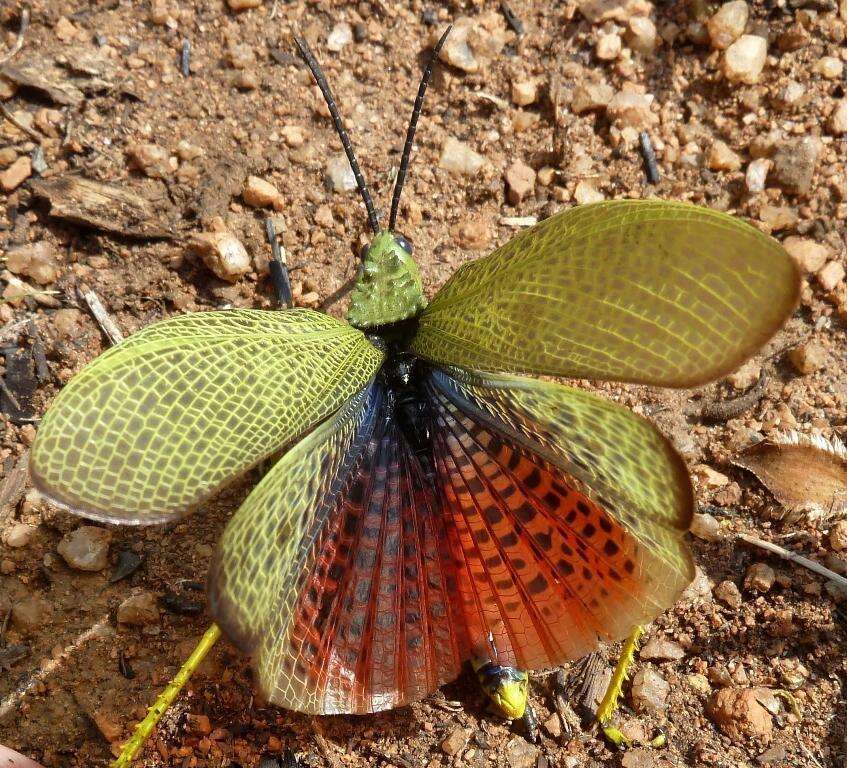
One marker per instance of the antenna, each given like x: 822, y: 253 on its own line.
x: 313, y: 65
x: 410, y: 134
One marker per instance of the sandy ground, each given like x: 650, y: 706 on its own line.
x: 111, y: 83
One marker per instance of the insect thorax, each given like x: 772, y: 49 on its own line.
x: 388, y: 288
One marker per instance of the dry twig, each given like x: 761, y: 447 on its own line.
x: 103, y: 318
x: 793, y: 557
x: 34, y: 135
x: 724, y: 410
x: 19, y: 43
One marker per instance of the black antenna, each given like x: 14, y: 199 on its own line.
x: 309, y: 58
x: 410, y: 134
x: 277, y: 267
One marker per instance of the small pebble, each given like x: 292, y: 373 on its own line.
x: 472, y: 234
x: 86, y: 548
x: 775, y: 756
x: 240, y: 5
x: 588, y: 97
x: 259, y: 193
x: 151, y: 159
x: 67, y: 323
x: 838, y: 119
x: 757, y: 174
x: 16, y: 174
x: 107, y: 725
x: 794, y: 164
x: 727, y: 25
x: 728, y: 593
x: 323, y: 216
x: 30, y: 614
x: 641, y: 35
x: 745, y: 59
x: 456, y: 50
x: 8, y: 155
x: 186, y: 151
x: 223, y: 253
x: 519, y: 753
x: 632, y: 110
x: 553, y: 726
x: 831, y: 276
x: 293, y: 136
x: 37, y: 261
x: 742, y: 379
x: 778, y: 217
x: 128, y: 562
x: 18, y: 535
x: 340, y: 36
x: 455, y: 741
x: 706, y: 527
x: 520, y: 182
x: 790, y: 96
x: 246, y: 80
x: 649, y: 691
x: 661, y: 649
x: 722, y: 158
x: 709, y: 478
x: 139, y: 610
x: 586, y: 192
x: 760, y: 577
x: 829, y: 67
x: 458, y: 158
x: 808, y: 358
x: 199, y: 724
x: 809, y: 255
x: 738, y: 712
x: 640, y: 757
x: 339, y: 174
x: 525, y: 92
x: 65, y: 30
x: 793, y: 38
x: 608, y: 47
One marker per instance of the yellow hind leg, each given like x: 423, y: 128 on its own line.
x: 165, y: 699
x: 609, y: 704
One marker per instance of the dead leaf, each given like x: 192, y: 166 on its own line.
x: 102, y: 206
x: 800, y: 471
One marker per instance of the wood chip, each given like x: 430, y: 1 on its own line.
x: 101, y: 206
x: 42, y: 76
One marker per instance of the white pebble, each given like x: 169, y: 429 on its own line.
x: 341, y: 35
x: 727, y: 25
x: 458, y: 158
x: 744, y: 60
x: 340, y: 174
x: 756, y: 174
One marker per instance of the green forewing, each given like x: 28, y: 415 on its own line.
x: 162, y: 421
x: 640, y: 291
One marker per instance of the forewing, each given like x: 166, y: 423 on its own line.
x: 334, y: 573
x: 162, y: 421
x: 640, y: 291
x: 570, y: 513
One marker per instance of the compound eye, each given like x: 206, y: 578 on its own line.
x: 404, y: 244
